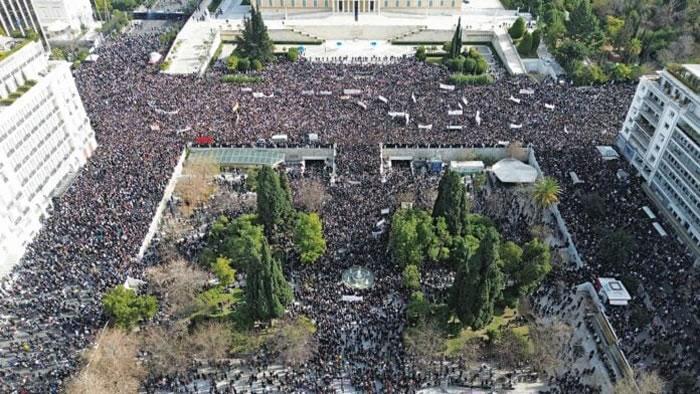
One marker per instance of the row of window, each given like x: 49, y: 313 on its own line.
x: 668, y: 175
x: 369, y: 3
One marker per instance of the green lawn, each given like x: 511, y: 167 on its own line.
x: 455, y: 344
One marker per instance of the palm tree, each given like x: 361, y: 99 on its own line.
x: 546, y: 192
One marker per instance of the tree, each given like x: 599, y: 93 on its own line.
x: 223, y: 271
x: 311, y: 195
x: 456, y: 43
x: 127, y: 308
x: 403, y: 239
x: 645, y: 383
x: 420, y: 53
x: 254, y: 41
x: 546, y: 192
x: 613, y: 27
x: 308, y: 238
x: 293, y: 54
x: 274, y: 206
x: 210, y: 341
x: 267, y: 292
x: 256, y: 65
x: 295, y: 341
x: 243, y: 64
x: 615, y: 247
x: 232, y: 63
x: 411, y: 277
x: 583, y: 24
x: 425, y: 342
x: 111, y: 366
x: 525, y: 275
x: 418, y: 308
x: 451, y: 202
x: 517, y: 29
x: 414, y: 238
x: 525, y: 44
x: 536, y: 39
x: 478, y: 284
x: 197, y: 184
x: 177, y: 284
x: 570, y: 52
x: 168, y: 349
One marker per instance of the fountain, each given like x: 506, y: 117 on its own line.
x: 357, y: 277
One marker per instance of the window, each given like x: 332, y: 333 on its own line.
x: 408, y: 3
x: 303, y: 3
x: 419, y: 3
x: 293, y: 1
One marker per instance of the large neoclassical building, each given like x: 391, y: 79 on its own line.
x: 361, y: 6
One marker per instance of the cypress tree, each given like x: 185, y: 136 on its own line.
x: 451, y: 202
x: 267, y: 292
x: 478, y: 284
x: 273, y: 202
x: 456, y: 43
x: 583, y: 23
x: 254, y: 41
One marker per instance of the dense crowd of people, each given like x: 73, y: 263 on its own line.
x: 50, y: 308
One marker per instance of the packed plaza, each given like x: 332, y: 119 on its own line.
x: 51, y: 309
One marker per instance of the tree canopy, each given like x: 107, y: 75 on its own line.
x: 128, y: 309
x: 274, y: 200
x: 308, y: 237
x: 451, y: 202
x: 267, y: 292
x: 254, y: 42
x: 478, y: 284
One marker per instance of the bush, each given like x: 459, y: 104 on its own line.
x: 456, y: 64
x: 418, y: 308
x: 516, y: 31
x: 622, y: 72
x: 165, y: 65
x: 421, y: 54
x: 257, y: 65
x: 481, y: 67
x: 462, y: 79
x: 293, y: 54
x: 240, y: 79
x: 243, y: 65
x: 232, y: 63
x: 525, y: 44
x: 536, y: 39
x: 469, y: 66
x: 589, y: 75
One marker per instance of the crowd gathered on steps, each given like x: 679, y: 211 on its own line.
x: 50, y: 304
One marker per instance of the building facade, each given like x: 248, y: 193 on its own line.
x: 661, y: 138
x: 362, y: 6
x: 64, y: 19
x: 18, y: 17
x: 45, y: 137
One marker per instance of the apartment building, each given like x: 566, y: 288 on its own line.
x: 661, y: 138
x: 45, y: 137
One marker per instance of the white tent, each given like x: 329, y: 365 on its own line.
x: 154, y: 57
x: 511, y: 170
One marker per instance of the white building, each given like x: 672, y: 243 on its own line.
x: 64, y: 19
x: 45, y: 137
x: 661, y: 138
x: 18, y: 16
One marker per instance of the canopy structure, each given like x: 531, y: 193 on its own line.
x: 237, y: 157
x: 511, y: 170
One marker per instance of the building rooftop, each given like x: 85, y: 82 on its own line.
x: 694, y: 69
x: 687, y: 74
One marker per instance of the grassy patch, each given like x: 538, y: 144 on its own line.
x: 434, y: 59
x: 464, y: 79
x: 454, y: 345
x: 240, y: 79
